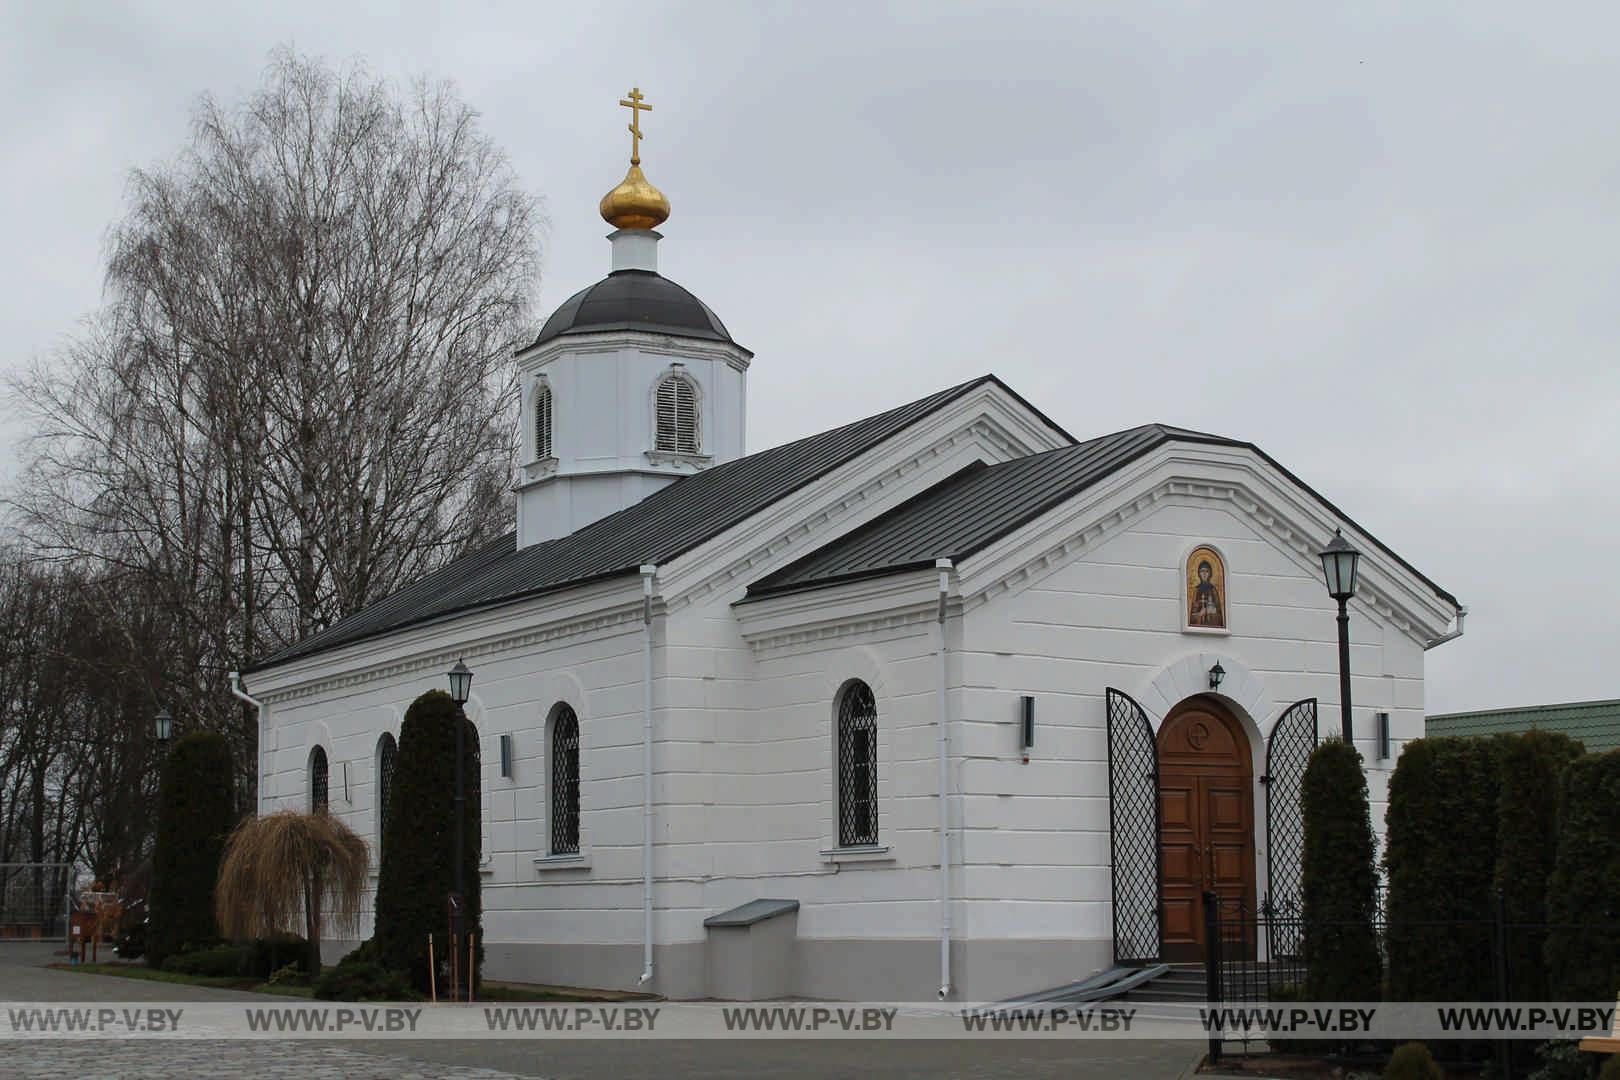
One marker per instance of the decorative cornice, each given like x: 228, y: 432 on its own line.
x: 775, y: 642
x: 602, y: 622
x: 749, y: 564
x: 891, y: 601
x: 1185, y: 491
x: 611, y: 341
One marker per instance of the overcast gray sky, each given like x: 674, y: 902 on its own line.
x: 1379, y: 241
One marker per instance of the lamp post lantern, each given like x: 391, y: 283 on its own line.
x: 460, y: 688
x: 165, y: 725
x: 1339, y: 565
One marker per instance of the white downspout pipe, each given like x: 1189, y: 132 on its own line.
x: 647, y: 575
x: 258, y: 724
x: 1462, y: 613
x: 944, y: 741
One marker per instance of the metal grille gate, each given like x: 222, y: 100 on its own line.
x: 1133, y: 828
x: 1288, y: 751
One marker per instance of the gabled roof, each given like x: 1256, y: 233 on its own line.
x: 666, y: 524
x: 1595, y: 723
x: 983, y: 503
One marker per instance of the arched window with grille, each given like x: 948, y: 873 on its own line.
x: 317, y: 780
x: 857, y: 766
x: 677, y: 409
x: 387, y: 750
x: 542, y: 421
x: 564, y: 781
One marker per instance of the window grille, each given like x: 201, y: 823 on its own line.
x: 857, y: 767
x: 542, y: 422
x: 317, y: 780
x: 386, y: 751
x: 677, y: 415
x: 564, y: 782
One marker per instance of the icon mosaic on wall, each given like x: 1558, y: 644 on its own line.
x: 1206, y: 590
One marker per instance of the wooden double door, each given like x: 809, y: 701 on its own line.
x: 1206, y: 819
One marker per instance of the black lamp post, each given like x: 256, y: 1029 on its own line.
x: 460, y: 687
x: 1339, y: 562
x: 1217, y: 674
x: 165, y: 726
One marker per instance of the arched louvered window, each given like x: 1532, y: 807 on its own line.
x: 387, y: 750
x: 857, y: 766
x: 542, y: 422
x: 317, y: 780
x: 677, y: 415
x: 564, y: 781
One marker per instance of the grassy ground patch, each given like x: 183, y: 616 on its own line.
x: 218, y: 982
x: 491, y: 990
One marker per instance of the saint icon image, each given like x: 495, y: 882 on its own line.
x: 1206, y: 590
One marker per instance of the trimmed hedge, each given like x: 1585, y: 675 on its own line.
x: 1533, y: 765
x: 1340, y: 882
x: 1440, y: 858
x: 414, y: 881
x: 196, y: 810
x: 362, y: 980
x: 221, y: 961
x: 1583, y: 964
x: 257, y: 959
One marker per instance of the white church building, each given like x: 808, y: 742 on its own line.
x: 946, y: 701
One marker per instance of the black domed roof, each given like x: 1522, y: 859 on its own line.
x: 635, y: 300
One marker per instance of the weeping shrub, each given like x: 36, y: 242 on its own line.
x: 1583, y: 962
x: 1340, y: 882
x: 288, y: 869
x: 196, y: 809
x: 416, y: 875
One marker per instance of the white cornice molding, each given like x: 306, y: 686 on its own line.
x: 1232, y: 475
x: 878, y: 604
x: 612, y: 341
x: 987, y: 424
x: 1238, y: 480
x: 602, y: 609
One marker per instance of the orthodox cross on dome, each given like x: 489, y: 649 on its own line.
x: 637, y: 106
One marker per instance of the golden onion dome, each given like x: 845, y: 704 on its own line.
x: 635, y: 203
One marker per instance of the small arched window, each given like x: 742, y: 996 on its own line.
x: 542, y: 422
x: 317, y: 780
x: 564, y: 781
x: 677, y: 415
x: 857, y: 766
x: 387, y: 750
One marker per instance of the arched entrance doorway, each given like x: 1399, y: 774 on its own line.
x: 1206, y: 819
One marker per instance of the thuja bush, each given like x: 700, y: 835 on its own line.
x: 1583, y: 893
x: 1440, y: 859
x: 196, y: 811
x: 1412, y: 1061
x: 1340, y: 882
x: 1533, y: 766
x: 416, y: 875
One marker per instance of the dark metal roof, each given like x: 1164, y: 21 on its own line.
x: 979, y: 505
x: 666, y: 524
x: 635, y: 300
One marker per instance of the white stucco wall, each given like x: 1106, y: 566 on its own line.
x: 1087, y: 597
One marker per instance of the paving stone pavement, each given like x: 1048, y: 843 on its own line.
x: 24, y: 978
x: 105, y: 1060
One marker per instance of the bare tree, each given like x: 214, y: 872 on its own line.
x: 299, y: 395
